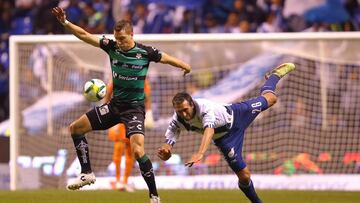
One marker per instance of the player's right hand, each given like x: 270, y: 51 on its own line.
x: 59, y: 13
x: 164, y: 152
x: 187, y: 70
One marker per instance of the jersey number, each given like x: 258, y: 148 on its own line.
x: 257, y: 104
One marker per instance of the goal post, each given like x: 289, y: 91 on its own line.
x: 312, y: 132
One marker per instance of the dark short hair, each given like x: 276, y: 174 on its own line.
x: 180, y: 97
x: 124, y: 25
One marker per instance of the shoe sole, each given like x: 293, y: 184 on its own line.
x: 78, y: 186
x: 267, y: 75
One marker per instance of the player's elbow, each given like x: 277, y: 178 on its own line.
x: 88, y: 38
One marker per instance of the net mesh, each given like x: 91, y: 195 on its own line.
x: 313, y: 128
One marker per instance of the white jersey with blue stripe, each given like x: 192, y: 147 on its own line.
x: 208, y: 115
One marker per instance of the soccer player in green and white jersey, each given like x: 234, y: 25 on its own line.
x: 129, y: 63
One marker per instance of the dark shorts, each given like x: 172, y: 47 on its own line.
x: 107, y: 115
x: 231, y: 144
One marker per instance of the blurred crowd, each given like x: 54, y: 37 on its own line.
x: 19, y: 17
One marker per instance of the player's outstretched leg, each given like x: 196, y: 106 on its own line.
x: 281, y: 70
x: 273, y: 77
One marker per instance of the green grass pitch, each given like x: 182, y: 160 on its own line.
x: 176, y: 196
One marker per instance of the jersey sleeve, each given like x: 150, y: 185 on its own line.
x: 208, y: 116
x: 173, y: 131
x: 153, y: 53
x: 107, y: 44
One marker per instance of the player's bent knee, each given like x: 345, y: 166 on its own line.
x: 77, y: 127
x: 138, y: 153
x: 271, y: 98
x: 137, y: 145
x: 72, y: 128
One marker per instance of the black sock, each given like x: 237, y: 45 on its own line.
x: 82, y: 151
x: 148, y: 174
x: 250, y: 193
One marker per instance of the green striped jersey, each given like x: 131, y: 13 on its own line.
x: 129, y: 69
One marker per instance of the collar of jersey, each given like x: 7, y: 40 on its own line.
x: 122, y: 51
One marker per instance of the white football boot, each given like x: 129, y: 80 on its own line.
x: 155, y: 199
x: 82, y: 180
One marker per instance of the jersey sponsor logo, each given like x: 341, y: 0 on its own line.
x: 231, y: 154
x: 82, y: 178
x: 119, y: 64
x: 137, y: 66
x: 104, y: 110
x: 125, y: 65
x: 122, y: 77
x: 139, y: 127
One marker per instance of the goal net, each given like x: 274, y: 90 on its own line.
x: 312, y: 129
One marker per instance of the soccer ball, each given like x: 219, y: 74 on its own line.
x: 94, y: 90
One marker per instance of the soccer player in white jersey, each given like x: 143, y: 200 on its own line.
x: 224, y: 124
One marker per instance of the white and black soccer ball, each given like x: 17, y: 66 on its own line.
x: 94, y: 90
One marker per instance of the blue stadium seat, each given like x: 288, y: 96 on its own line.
x: 21, y: 26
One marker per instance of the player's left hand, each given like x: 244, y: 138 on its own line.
x: 194, y: 158
x: 59, y: 14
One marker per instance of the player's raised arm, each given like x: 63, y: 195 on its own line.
x: 74, y: 29
x: 167, y: 59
